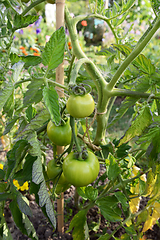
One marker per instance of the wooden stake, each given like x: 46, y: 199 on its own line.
x: 60, y: 4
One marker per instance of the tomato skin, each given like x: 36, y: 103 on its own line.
x: 51, y: 1
x: 80, y: 106
x: 60, y: 135
x: 81, y: 173
x: 40, y: 7
x: 53, y: 170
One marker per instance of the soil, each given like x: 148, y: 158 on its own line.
x: 45, y: 231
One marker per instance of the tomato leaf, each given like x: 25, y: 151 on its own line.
x: 113, y: 169
x: 78, y: 225
x: 23, y: 204
x: 22, y: 221
x: 23, y: 21
x: 5, y: 93
x: 141, y: 62
x: 53, y: 52
x: 34, y: 93
x: 50, y: 97
x: 91, y: 193
x: 6, y: 235
x: 106, y: 236
x: 16, y: 155
x: 137, y: 127
x: 122, y: 199
x: 107, y: 205
x: 39, y: 120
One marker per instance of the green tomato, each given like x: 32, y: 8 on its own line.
x: 80, y: 106
x: 53, y: 170
x: 60, y: 135
x: 51, y: 1
x: 40, y: 7
x: 81, y: 172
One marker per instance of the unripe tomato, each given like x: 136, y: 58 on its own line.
x: 53, y: 170
x: 51, y: 1
x: 81, y: 172
x: 40, y: 7
x: 80, y: 106
x: 60, y: 135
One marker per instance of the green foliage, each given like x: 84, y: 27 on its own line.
x: 127, y: 69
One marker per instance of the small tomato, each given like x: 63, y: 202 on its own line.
x: 80, y: 106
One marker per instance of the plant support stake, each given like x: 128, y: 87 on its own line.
x: 60, y: 79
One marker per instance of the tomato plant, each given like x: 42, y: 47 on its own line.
x: 80, y: 106
x: 60, y: 135
x: 29, y: 97
x: 81, y: 172
x: 26, y: 1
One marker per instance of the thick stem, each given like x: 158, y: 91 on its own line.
x: 137, y: 50
x: 72, y: 123
x: 32, y: 5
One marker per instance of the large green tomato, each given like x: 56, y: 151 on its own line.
x: 51, y: 1
x: 80, y: 106
x: 40, y: 7
x: 81, y: 172
x: 60, y: 135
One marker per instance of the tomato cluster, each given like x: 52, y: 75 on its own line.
x: 75, y: 170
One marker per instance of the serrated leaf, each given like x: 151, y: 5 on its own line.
x: 31, y: 93
x: 37, y: 171
x: 21, y: 21
x: 106, y: 236
x: 137, y: 127
x: 106, y: 205
x: 30, y: 112
x: 50, y: 97
x: 23, y: 204
x: 141, y: 62
x: 35, y: 123
x: 17, y: 68
x: 31, y: 60
x: 91, y: 193
x: 50, y: 212
x: 122, y: 199
x: 9, y: 105
x: 81, y: 192
x: 34, y: 142
x: 16, y: 155
x: 53, y: 52
x: 5, y: 94
x: 113, y: 169
x: 78, y: 225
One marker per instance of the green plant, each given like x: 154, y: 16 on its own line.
x: 28, y: 99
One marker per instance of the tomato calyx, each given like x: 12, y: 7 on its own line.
x: 80, y: 89
x: 81, y: 155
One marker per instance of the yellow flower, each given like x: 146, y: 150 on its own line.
x: 23, y: 187
x: 1, y: 166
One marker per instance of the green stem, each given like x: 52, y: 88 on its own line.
x: 75, y: 71
x: 31, y: 6
x: 133, y: 55
x: 135, y: 94
x: 72, y: 124
x: 70, y: 67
